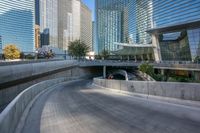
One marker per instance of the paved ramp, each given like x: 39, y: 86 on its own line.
x: 79, y: 108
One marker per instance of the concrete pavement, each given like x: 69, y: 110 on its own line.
x: 79, y: 107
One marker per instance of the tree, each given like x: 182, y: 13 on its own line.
x: 146, y: 68
x: 11, y: 52
x: 197, y: 59
x: 78, y: 49
x: 45, y: 53
x: 105, y: 54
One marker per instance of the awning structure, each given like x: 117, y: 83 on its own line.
x: 175, y: 27
x: 133, y: 50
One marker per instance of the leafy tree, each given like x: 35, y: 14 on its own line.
x: 11, y: 52
x: 105, y: 54
x: 146, y: 68
x: 197, y: 59
x: 78, y: 49
x: 22, y: 56
x: 30, y: 56
x: 43, y: 53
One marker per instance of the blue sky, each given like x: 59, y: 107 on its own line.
x: 90, y: 4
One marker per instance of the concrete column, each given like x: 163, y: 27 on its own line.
x: 197, y: 76
x: 148, y: 57
x: 162, y: 72
x: 128, y: 58
x: 135, y: 58
x: 142, y: 57
x: 156, y: 48
x: 104, y: 72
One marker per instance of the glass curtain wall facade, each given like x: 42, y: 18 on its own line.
x: 65, y: 23
x: 170, y: 12
x: 109, y: 23
x: 86, y: 26
x: 17, y: 24
x: 0, y: 44
x: 126, y: 21
x: 49, y: 21
x: 140, y: 19
x: 37, y: 12
x: 178, y: 44
x: 69, y: 13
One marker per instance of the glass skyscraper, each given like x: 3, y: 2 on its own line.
x: 173, y: 27
x: 49, y: 22
x: 177, y: 26
x: 0, y: 44
x: 37, y: 12
x: 110, y: 27
x: 124, y: 21
x: 17, y: 23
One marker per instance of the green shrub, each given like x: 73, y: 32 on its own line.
x: 147, y: 68
x: 30, y: 56
x: 158, y: 77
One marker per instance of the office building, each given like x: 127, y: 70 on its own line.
x: 68, y: 22
x: 176, y: 30
x: 172, y: 28
x: 49, y: 20
x: 44, y: 37
x: 37, y: 12
x: 1, y: 44
x: 74, y: 23
x: 109, y: 23
x: 86, y: 26
x: 17, y: 24
x: 37, y: 36
x: 94, y: 46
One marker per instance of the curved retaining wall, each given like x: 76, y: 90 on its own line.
x: 21, y: 71
x: 11, y: 115
x: 186, y: 91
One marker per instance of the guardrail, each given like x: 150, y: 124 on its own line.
x: 11, y: 115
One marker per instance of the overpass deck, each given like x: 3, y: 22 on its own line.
x: 163, y: 65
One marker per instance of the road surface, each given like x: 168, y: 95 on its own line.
x: 81, y: 108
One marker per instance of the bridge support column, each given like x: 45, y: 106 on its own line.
x: 162, y: 71
x: 197, y: 75
x: 142, y: 57
x: 148, y: 57
x: 135, y: 58
x: 104, y: 72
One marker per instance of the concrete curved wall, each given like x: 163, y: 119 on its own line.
x: 186, y: 91
x: 15, y: 72
x: 14, y: 78
x: 10, y: 117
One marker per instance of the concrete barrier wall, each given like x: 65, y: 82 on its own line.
x: 186, y: 91
x: 8, y: 94
x: 15, y: 72
x: 10, y: 117
x: 24, y: 74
